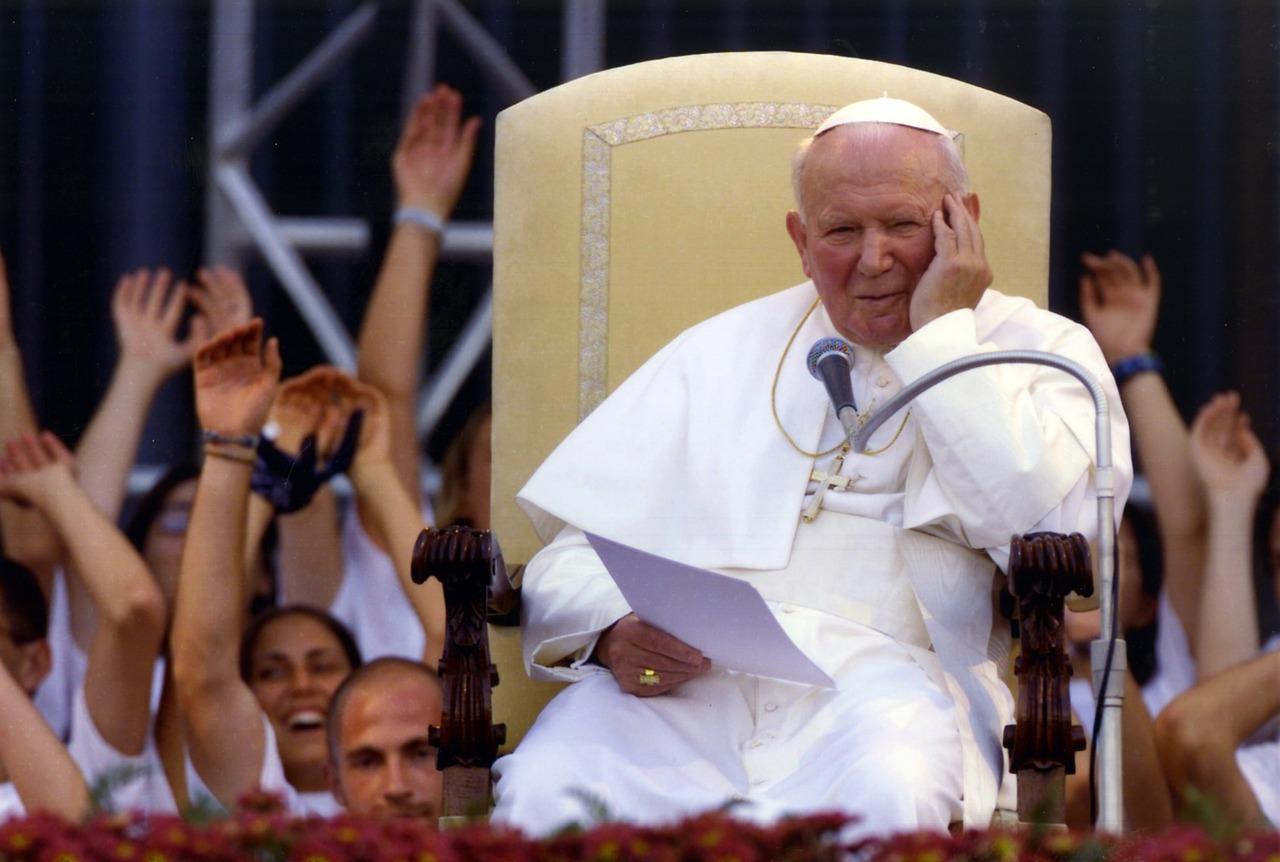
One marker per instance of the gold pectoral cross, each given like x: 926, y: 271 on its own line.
x: 829, y: 480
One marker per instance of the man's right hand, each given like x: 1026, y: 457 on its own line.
x: 631, y: 646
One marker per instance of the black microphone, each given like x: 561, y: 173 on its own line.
x: 831, y: 361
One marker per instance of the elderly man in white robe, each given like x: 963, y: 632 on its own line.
x: 722, y: 452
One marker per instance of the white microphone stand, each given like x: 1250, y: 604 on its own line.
x: 1108, y: 682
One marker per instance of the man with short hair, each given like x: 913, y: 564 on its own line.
x: 36, y: 773
x: 721, y: 452
x: 380, y: 762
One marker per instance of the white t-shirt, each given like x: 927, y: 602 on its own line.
x: 371, y: 602
x: 1175, y: 666
x: 1260, y: 765
x: 136, y: 782
x: 66, y: 674
x: 272, y: 780
x: 10, y: 805
x: 55, y: 698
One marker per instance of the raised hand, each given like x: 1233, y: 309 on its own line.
x: 1120, y: 302
x: 306, y: 405
x: 34, y: 469
x: 222, y: 300
x: 375, y: 432
x: 147, y: 309
x: 1226, y: 453
x: 236, y: 380
x: 433, y: 157
x: 959, y: 271
x: 305, y: 442
x: 646, y: 660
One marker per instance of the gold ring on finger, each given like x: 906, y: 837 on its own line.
x: 649, y: 676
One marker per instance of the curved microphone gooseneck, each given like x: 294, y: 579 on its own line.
x: 1108, y: 675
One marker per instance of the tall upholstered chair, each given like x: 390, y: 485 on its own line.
x: 635, y: 202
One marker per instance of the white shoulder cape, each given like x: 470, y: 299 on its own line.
x: 685, y: 459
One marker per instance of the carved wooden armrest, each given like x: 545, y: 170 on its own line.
x: 1043, y: 569
x: 469, y: 564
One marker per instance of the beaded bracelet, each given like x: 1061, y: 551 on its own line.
x: 1136, y: 364
x: 244, y: 441
x: 422, y: 218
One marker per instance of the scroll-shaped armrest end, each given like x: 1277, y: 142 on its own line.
x: 1049, y: 564
x: 1043, y: 569
x: 441, y: 552
x: 467, y: 562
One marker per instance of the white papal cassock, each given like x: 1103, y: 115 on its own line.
x: 891, y: 589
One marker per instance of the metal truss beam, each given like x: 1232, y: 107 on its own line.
x: 239, y: 218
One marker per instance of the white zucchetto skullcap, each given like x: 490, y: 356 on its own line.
x: 885, y: 110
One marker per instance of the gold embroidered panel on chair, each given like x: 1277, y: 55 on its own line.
x: 677, y: 163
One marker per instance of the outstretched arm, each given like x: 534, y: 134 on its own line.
x: 235, y: 380
x: 38, y: 764
x: 1233, y: 469
x: 146, y: 309
x: 1199, y: 733
x: 1120, y: 303
x: 390, y: 508
x: 1147, y: 803
x: 311, y: 562
x: 430, y: 167
x: 28, y: 538
x: 36, y: 470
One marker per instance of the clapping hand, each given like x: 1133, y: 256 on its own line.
x: 322, y: 402
x: 34, y: 469
x: 374, y: 446
x: 433, y: 156
x: 1226, y: 453
x: 1119, y: 302
x: 305, y: 407
x: 235, y: 379
x: 307, y: 428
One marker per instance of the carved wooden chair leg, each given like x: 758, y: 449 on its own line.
x: 1043, y: 569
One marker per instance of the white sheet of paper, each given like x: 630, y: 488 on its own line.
x: 723, y: 617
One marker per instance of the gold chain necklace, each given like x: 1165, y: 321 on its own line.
x: 777, y: 420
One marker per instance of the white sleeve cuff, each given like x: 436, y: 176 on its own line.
x: 939, y: 341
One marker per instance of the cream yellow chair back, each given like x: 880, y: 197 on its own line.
x: 632, y: 203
